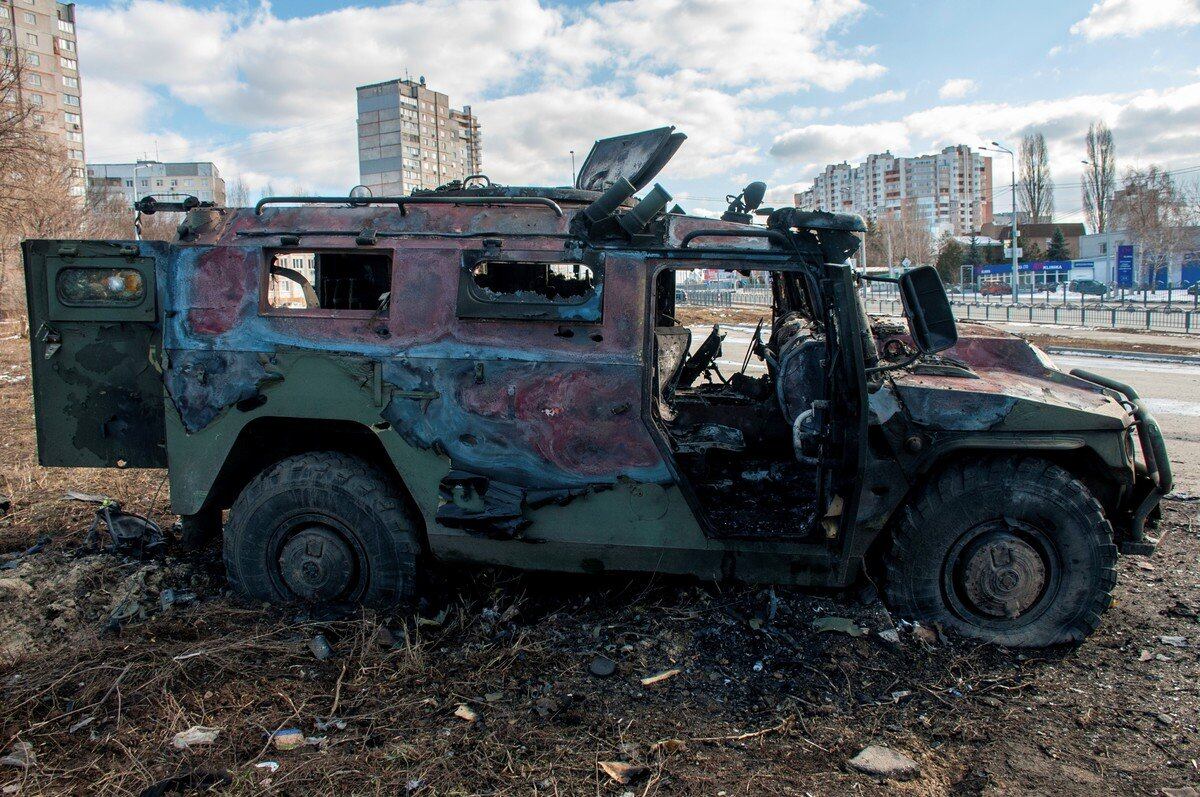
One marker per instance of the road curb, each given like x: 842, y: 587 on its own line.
x: 1112, y: 354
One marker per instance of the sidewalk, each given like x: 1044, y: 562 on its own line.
x: 1107, y: 339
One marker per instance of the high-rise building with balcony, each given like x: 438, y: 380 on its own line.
x: 41, y: 34
x: 951, y: 191
x: 409, y: 137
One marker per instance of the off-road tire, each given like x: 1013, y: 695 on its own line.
x: 1031, y: 499
x: 353, y: 497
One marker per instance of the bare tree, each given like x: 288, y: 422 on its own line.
x: 237, y: 193
x: 1035, y: 186
x: 1100, y: 176
x: 1156, y: 214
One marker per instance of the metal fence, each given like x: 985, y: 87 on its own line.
x: 1126, y: 317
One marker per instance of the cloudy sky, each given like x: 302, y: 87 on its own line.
x: 765, y: 89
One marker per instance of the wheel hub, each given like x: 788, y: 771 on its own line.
x: 317, y: 564
x: 1002, y: 575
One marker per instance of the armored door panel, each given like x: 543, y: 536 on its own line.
x: 94, y: 340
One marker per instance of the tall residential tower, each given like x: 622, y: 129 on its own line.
x: 41, y: 33
x: 951, y: 191
x: 409, y: 137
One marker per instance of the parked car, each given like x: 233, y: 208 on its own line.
x: 995, y: 289
x: 1089, y: 287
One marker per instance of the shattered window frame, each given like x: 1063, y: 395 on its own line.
x: 265, y: 307
x: 478, y: 302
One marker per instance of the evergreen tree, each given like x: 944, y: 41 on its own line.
x: 1058, y: 246
x: 949, y: 260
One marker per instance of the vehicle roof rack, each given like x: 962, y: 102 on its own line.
x: 403, y: 201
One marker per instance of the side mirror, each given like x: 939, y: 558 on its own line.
x: 930, y: 320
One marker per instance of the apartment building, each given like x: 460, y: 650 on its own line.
x: 41, y: 33
x: 132, y: 181
x: 951, y: 190
x: 409, y: 137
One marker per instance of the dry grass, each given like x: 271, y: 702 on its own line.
x: 762, y: 705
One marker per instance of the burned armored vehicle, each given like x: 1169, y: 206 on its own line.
x: 347, y: 389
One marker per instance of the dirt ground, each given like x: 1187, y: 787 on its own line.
x: 489, y: 689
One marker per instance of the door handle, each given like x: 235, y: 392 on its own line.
x: 52, y: 340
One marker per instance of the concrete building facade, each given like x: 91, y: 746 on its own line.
x: 951, y: 191
x: 41, y: 33
x: 409, y: 137
x: 132, y: 181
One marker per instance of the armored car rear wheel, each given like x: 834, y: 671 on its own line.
x: 322, y: 527
x: 1009, y: 550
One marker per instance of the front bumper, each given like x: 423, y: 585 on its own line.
x: 1154, y: 454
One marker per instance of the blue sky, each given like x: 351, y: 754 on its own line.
x: 770, y: 89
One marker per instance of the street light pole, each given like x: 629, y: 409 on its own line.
x: 1012, y: 157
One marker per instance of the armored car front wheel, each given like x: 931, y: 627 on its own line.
x: 1009, y: 550
x: 322, y: 527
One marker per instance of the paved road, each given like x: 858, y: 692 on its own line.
x: 1172, y: 392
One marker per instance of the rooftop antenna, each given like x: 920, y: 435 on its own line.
x: 572, y: 167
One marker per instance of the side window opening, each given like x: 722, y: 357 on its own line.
x: 531, y: 286
x: 537, y: 282
x: 349, y: 281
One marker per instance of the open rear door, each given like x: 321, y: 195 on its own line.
x: 95, y: 339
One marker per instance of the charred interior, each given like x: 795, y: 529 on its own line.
x: 747, y: 424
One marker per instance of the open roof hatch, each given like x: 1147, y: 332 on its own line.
x: 637, y: 157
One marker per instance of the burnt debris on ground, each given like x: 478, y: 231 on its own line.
x: 507, y: 684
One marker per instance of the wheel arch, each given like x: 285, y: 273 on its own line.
x: 264, y: 441
x: 1072, y: 454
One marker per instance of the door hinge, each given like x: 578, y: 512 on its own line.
x: 51, y: 338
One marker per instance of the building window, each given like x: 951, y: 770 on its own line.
x: 36, y: 99
x: 34, y: 80
x: 71, y: 99
x: 66, y: 45
x: 75, y: 154
x: 74, y: 136
x: 68, y: 63
x: 71, y: 82
x: 31, y: 38
x: 66, y: 27
x: 73, y: 118
x: 30, y: 19
x: 33, y: 59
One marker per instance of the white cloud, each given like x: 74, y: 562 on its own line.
x: 956, y: 88
x: 542, y: 78
x: 1109, y: 18
x: 882, y: 98
x: 814, y: 146
x: 1053, y: 51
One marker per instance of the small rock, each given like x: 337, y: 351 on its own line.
x: 883, y: 762
x: 1145, y: 655
x: 494, y: 697
x: 20, y: 755
x: 15, y: 586
x: 1174, y: 641
x: 270, y: 766
x: 1182, y: 791
x: 465, y: 712
x: 890, y: 635
x: 320, y: 648
x: 385, y: 637
x: 288, y: 739
x: 545, y: 706
x: 925, y: 634
x: 602, y: 667
x: 989, y: 700
x: 194, y: 736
